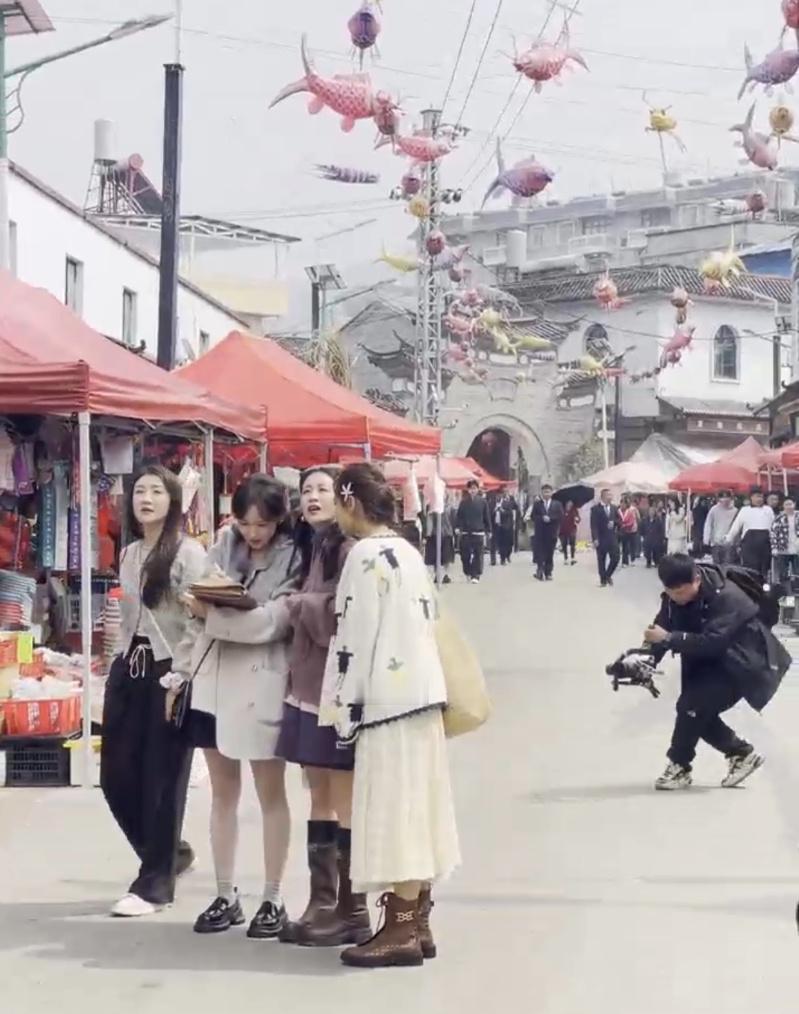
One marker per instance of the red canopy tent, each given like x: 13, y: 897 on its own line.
x: 737, y: 470
x: 308, y: 414
x: 782, y: 457
x: 53, y: 362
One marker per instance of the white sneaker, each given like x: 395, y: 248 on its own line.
x: 741, y: 768
x: 674, y: 777
x: 134, y: 907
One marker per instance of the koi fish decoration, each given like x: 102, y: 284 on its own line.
x: 525, y: 179
x: 758, y: 148
x: 349, y: 95
x: 546, y: 61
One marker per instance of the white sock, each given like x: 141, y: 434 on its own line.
x: 272, y: 894
x: 226, y: 890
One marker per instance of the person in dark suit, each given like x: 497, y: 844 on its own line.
x: 547, y: 516
x: 605, y: 525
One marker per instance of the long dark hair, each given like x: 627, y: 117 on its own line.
x: 368, y: 485
x: 156, y: 572
x: 327, y: 542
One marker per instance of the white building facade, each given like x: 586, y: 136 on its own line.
x: 109, y: 283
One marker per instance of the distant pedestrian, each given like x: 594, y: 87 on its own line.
x: 753, y: 527
x: 605, y: 525
x: 504, y: 524
x: 717, y: 526
x: 785, y: 543
x: 447, y: 541
x: 474, y: 526
x: 630, y: 521
x: 568, y: 532
x: 773, y: 501
x: 653, y: 533
x: 676, y: 529
x: 547, y: 516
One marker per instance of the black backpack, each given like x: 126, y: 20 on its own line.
x: 751, y: 584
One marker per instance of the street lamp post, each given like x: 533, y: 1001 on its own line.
x: 26, y: 17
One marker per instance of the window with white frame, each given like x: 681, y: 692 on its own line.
x: 594, y: 226
x: 73, y: 285
x: 205, y: 342
x: 130, y: 323
x: 725, y: 353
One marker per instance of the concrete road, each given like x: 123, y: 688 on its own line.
x: 582, y: 891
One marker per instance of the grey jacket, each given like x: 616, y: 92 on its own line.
x: 240, y: 659
x: 718, y: 523
x: 168, y: 625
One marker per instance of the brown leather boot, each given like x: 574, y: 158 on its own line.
x: 397, y: 943
x: 426, y: 904
x: 323, y: 866
x: 348, y: 922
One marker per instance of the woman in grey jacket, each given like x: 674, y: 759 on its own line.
x: 240, y: 667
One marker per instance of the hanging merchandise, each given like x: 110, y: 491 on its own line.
x: 777, y: 68
x: 7, y: 450
x: 546, y: 61
x: 680, y: 300
x: 435, y: 242
x: 364, y: 28
x: 117, y: 455
x: 419, y: 207
x: 758, y: 148
x: 661, y: 122
x: 24, y: 468
x: 525, y: 179
x: 781, y: 121
x: 343, y: 174
x: 349, y: 95
x: 790, y: 11
x: 411, y: 503
x: 190, y: 480
x: 450, y: 257
x: 720, y: 269
x: 47, y: 526
x: 421, y: 146
x: 398, y: 262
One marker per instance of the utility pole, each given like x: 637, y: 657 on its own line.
x: 170, y: 212
x: 428, y: 308
x: 617, y: 422
x: 795, y: 307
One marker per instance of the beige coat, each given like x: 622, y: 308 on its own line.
x: 241, y: 658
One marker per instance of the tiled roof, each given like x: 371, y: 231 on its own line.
x: 699, y: 406
x: 576, y: 288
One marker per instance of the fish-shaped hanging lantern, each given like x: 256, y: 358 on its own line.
x: 364, y: 27
x: 525, y: 179
x: 345, y: 174
x: 546, y: 61
x: 398, y: 262
x: 349, y: 95
x: 676, y: 345
x: 758, y: 147
x: 777, y: 68
x: 422, y: 148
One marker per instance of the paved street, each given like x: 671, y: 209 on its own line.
x: 582, y: 891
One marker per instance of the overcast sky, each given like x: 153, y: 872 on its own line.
x: 244, y: 161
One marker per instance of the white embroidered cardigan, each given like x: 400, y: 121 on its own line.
x: 383, y: 663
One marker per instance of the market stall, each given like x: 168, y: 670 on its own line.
x: 72, y: 407
x: 310, y: 418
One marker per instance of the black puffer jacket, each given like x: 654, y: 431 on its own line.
x: 720, y: 634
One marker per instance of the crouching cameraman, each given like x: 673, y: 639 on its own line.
x: 727, y: 654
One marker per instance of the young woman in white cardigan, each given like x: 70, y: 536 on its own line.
x: 241, y: 665
x: 384, y: 689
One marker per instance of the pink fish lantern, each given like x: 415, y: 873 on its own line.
x: 525, y: 179
x: 436, y: 242
x: 364, y: 28
x: 778, y: 67
x: 349, y: 95
x: 676, y: 345
x: 756, y: 202
x: 411, y: 184
x: 790, y: 11
x: 546, y: 61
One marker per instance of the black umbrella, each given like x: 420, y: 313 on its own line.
x: 579, y: 494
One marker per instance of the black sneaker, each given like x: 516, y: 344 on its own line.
x: 220, y: 915
x: 268, y: 922
x: 446, y: 579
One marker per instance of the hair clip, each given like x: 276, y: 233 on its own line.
x: 347, y: 493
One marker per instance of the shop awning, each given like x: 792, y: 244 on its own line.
x: 310, y: 418
x: 737, y: 470
x: 53, y: 362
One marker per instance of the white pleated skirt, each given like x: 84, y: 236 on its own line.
x: 403, y: 817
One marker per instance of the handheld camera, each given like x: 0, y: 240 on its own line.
x: 634, y: 668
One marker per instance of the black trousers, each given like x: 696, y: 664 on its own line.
x: 472, y: 554
x: 568, y: 543
x: 698, y: 709
x: 504, y: 543
x: 544, y: 553
x: 607, y: 559
x: 628, y: 540
x: 144, y: 769
x: 756, y: 552
x: 653, y: 551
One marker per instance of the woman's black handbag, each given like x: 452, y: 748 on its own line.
x: 182, y: 707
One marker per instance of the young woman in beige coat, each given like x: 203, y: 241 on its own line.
x: 241, y: 670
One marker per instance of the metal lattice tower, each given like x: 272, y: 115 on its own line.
x: 429, y: 299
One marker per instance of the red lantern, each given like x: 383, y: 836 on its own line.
x: 436, y: 242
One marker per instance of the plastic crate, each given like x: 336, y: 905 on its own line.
x: 42, y: 718
x: 37, y: 763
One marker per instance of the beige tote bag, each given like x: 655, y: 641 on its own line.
x: 468, y: 703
